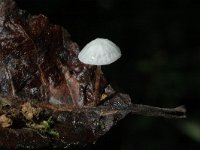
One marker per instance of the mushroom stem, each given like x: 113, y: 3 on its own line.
x: 97, y: 84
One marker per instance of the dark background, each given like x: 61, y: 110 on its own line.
x: 160, y: 64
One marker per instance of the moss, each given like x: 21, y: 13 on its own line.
x: 45, y: 126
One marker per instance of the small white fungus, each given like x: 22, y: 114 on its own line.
x: 100, y: 52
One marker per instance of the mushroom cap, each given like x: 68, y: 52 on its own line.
x: 100, y: 52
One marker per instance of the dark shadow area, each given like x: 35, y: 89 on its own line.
x: 160, y: 64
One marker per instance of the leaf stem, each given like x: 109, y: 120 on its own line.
x: 145, y: 110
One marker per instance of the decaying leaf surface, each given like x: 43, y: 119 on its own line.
x: 76, y: 127
x: 46, y: 94
x: 5, y: 121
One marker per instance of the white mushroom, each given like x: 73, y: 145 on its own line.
x: 99, y: 52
